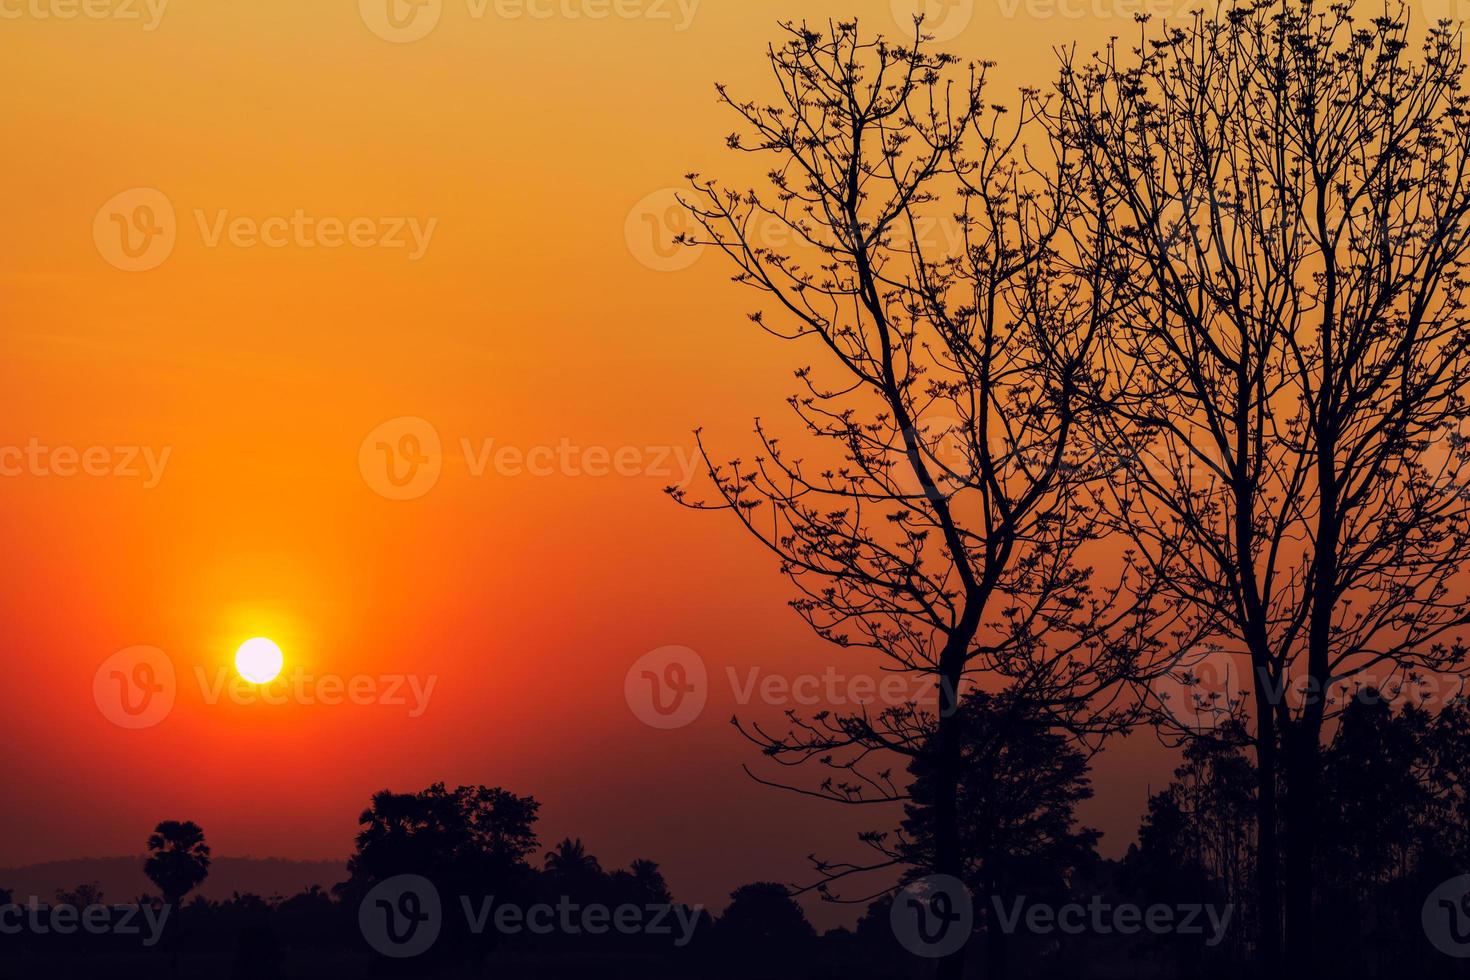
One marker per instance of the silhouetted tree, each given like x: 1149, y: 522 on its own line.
x: 1019, y: 790
x: 80, y: 897
x: 309, y: 919
x: 470, y: 842
x: 764, y: 929
x: 1376, y: 805
x: 1290, y: 187
x: 641, y: 884
x: 1390, y: 831
x: 258, y: 951
x: 1196, y: 844
x: 473, y: 832
x: 1448, y: 774
x: 178, y: 859
x: 570, y: 860
x: 935, y: 518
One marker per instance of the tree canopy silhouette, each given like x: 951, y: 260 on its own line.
x: 1022, y: 782
x: 1288, y: 183
x: 472, y: 836
x: 935, y: 514
x: 178, y: 859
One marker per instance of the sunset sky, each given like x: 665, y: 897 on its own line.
x: 534, y: 157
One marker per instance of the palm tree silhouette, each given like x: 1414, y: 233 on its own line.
x: 570, y: 860
x: 178, y: 859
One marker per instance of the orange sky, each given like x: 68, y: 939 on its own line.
x: 523, y: 145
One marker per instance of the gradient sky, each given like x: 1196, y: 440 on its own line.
x: 538, y: 315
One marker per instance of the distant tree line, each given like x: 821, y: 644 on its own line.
x: 1400, y: 824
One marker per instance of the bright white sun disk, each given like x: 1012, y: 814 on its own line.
x: 259, y: 661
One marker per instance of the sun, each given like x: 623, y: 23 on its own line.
x: 259, y: 661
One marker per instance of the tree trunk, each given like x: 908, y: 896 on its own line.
x: 174, y: 940
x: 1303, y: 740
x: 1301, y: 832
x: 948, y: 859
x: 1268, y: 861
